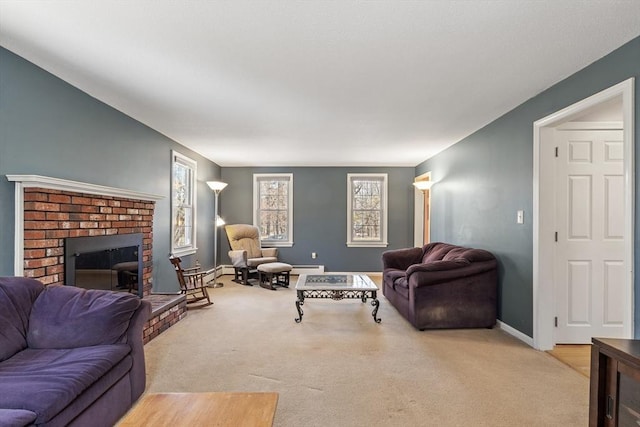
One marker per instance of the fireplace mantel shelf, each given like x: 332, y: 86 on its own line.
x: 80, y: 187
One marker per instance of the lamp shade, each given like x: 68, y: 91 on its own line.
x: 423, y: 185
x: 216, y: 185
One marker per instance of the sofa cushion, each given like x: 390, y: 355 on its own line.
x: 17, y: 295
x: 390, y: 275
x: 439, y: 251
x: 401, y: 286
x: 478, y: 255
x: 436, y: 251
x: 455, y: 253
x: 254, y: 262
x: 45, y: 381
x: 438, y: 266
x: 69, y: 317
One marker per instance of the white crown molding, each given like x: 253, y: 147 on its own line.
x: 80, y: 187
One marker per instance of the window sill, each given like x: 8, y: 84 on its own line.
x: 184, y: 252
x: 276, y: 244
x: 367, y: 244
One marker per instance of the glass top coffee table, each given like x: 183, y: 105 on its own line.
x: 337, y: 287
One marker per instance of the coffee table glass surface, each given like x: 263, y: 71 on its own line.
x: 335, y: 282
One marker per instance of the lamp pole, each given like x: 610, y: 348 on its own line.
x: 217, y: 187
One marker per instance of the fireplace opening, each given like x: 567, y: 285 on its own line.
x: 105, y: 262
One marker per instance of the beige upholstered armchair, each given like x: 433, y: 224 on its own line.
x: 246, y: 252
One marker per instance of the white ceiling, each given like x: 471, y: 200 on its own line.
x: 315, y: 83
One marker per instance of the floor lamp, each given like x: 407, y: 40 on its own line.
x: 217, y: 187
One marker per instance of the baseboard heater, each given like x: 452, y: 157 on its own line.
x: 297, y: 269
x: 209, y: 277
x: 307, y: 269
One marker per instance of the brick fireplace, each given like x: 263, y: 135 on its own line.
x: 49, y: 210
x: 50, y: 216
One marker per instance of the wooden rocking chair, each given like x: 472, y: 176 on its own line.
x: 191, y: 282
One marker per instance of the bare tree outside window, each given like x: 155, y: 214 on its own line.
x: 182, y: 204
x: 367, y: 200
x: 367, y: 209
x: 273, y: 213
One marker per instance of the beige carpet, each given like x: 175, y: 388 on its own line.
x: 339, y: 368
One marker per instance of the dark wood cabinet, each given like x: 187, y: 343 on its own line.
x: 614, y: 398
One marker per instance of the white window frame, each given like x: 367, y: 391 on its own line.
x: 181, y: 159
x: 257, y: 177
x: 382, y: 241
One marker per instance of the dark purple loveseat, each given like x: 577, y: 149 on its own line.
x: 442, y: 286
x: 68, y: 356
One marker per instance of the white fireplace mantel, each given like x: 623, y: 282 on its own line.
x: 25, y: 181
x: 38, y: 181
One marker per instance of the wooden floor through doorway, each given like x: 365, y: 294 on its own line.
x: 577, y: 356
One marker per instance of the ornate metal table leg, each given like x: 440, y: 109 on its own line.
x: 299, y: 302
x: 364, y: 297
x: 375, y: 303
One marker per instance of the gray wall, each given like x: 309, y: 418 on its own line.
x: 485, y: 178
x: 48, y: 127
x: 319, y: 214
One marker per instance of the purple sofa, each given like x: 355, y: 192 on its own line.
x: 442, y: 286
x: 68, y: 356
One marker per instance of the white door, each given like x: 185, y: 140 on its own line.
x: 589, y: 270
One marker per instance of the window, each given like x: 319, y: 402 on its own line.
x: 273, y: 208
x: 183, y: 205
x: 367, y: 210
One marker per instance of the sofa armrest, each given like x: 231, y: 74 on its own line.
x: 135, y: 340
x: 269, y: 252
x: 17, y: 417
x: 238, y: 258
x: 71, y: 317
x: 401, y: 259
x: 442, y: 273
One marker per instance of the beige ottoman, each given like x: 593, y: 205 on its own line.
x: 274, y: 273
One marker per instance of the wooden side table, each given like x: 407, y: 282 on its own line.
x: 202, y: 409
x: 615, y: 383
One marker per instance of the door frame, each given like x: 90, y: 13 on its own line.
x: 544, y: 306
x: 418, y: 216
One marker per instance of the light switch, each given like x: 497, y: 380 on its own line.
x: 520, y: 217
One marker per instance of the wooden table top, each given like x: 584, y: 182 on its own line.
x: 203, y: 409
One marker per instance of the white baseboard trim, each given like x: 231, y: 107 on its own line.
x: 515, y: 333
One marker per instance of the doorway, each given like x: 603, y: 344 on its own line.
x: 589, y: 262
x: 545, y: 224
x: 422, y: 212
